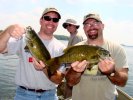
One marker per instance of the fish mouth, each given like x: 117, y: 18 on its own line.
x: 103, y: 56
x: 27, y: 36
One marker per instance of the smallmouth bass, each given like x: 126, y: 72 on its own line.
x: 35, y: 46
x: 78, y: 53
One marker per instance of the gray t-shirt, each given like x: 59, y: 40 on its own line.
x: 95, y: 86
x: 74, y: 39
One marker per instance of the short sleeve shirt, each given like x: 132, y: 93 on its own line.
x: 26, y: 74
x: 95, y: 86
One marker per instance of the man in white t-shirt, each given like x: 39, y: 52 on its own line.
x: 100, y: 82
x: 33, y: 84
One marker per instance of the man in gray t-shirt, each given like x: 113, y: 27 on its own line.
x: 72, y: 27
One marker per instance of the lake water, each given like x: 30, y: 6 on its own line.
x: 8, y: 68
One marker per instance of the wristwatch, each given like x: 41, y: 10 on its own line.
x: 112, y: 74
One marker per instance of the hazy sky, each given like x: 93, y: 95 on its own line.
x: 117, y: 15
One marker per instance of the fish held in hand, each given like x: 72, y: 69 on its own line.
x: 91, y: 53
x: 35, y: 46
x: 71, y: 54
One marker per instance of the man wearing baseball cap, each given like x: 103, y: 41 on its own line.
x: 51, y: 9
x: 32, y: 83
x: 49, y: 22
x: 92, y: 16
x: 72, y: 27
x: 99, y: 82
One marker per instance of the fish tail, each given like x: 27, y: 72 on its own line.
x: 53, y: 65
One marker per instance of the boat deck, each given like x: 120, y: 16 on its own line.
x: 123, y: 96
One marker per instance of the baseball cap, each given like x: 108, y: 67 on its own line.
x: 51, y: 9
x: 70, y: 21
x: 92, y: 16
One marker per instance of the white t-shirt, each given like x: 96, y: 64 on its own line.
x: 26, y: 74
x: 95, y: 86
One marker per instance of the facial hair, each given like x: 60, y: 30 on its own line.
x: 92, y: 36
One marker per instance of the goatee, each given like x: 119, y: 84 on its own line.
x: 93, y: 37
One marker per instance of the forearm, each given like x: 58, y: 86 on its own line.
x: 73, y: 77
x: 4, y: 37
x: 120, y: 77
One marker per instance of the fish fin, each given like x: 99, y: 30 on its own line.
x: 68, y: 65
x: 53, y: 65
x: 68, y: 48
x: 26, y: 49
x: 49, y: 73
x: 89, y: 66
x: 64, y: 91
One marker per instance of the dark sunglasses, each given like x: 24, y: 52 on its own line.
x: 48, y: 18
x: 68, y: 25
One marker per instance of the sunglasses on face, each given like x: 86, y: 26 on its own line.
x: 68, y: 25
x: 48, y: 18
